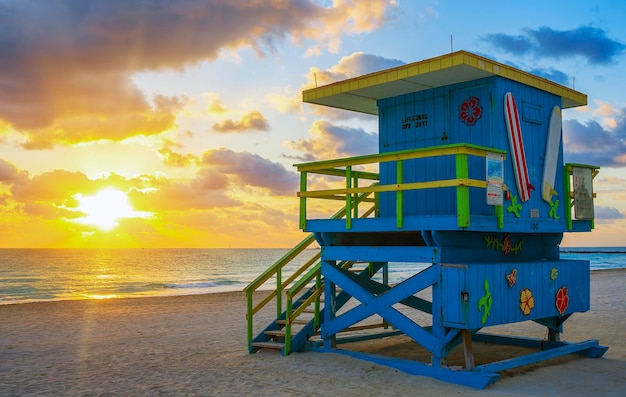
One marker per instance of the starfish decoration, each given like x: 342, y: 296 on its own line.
x: 553, y: 206
x: 514, y: 207
x: 554, y: 273
x: 512, y: 278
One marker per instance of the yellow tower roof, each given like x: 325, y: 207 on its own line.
x: 361, y: 93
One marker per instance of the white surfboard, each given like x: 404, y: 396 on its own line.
x: 552, y: 155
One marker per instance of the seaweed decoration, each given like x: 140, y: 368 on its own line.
x: 515, y: 208
x: 505, y: 246
x: 553, y: 207
x: 485, y: 303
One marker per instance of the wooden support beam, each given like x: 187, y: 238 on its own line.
x: 467, y: 350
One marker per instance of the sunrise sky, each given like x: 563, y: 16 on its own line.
x: 177, y: 123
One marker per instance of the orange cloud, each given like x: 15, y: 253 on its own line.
x: 248, y: 122
x: 65, y: 74
x: 40, y: 211
x: 356, y: 64
x: 54, y: 187
x: 10, y: 174
x: 167, y: 196
x: 329, y: 141
x: 215, y: 106
x: 248, y: 169
x: 174, y: 159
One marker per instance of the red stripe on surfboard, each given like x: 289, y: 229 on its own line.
x: 519, y: 155
x: 518, y: 148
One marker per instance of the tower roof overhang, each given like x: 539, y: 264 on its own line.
x: 361, y: 93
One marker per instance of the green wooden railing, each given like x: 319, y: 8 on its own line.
x: 311, y: 267
x: 570, y: 201
x: 344, y: 168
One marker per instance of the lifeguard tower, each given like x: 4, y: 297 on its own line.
x: 469, y: 179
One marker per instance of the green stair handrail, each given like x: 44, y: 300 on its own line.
x: 276, y: 270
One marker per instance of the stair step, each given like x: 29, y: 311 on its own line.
x: 268, y: 345
x: 296, y: 321
x: 277, y: 332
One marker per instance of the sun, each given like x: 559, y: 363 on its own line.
x: 105, y: 208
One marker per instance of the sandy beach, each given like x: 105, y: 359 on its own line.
x: 196, y: 346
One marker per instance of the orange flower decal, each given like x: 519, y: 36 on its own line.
x: 562, y: 300
x: 527, y: 301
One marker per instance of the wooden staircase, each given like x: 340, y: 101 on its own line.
x: 304, y: 313
x: 299, y: 320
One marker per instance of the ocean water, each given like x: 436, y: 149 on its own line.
x: 30, y: 275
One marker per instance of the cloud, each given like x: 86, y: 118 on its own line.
x: 329, y: 141
x: 66, y: 67
x: 590, y: 143
x: 356, y: 64
x: 175, y: 159
x: 346, y: 16
x: 248, y: 169
x: 248, y: 122
x: 553, y: 75
x: 208, y: 210
x: 215, y: 106
x: 55, y: 187
x: 167, y: 195
x: 587, y: 42
x: 601, y: 212
x: 10, y: 174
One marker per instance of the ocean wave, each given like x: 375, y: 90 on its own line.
x: 609, y: 251
x: 201, y: 284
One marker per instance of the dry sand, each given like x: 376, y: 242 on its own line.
x: 196, y: 345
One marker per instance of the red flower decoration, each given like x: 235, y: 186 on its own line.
x: 562, y: 300
x: 470, y: 111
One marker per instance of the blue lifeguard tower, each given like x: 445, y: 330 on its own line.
x: 469, y: 179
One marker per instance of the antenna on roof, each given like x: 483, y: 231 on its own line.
x: 315, y: 77
x: 451, y: 46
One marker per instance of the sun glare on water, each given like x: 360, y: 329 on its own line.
x: 105, y: 208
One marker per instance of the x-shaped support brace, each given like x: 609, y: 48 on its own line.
x: 372, y: 304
